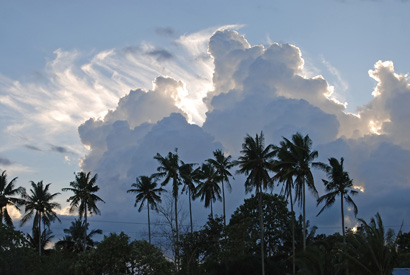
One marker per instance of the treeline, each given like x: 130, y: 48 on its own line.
x: 263, y: 236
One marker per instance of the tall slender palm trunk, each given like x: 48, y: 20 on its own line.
x: 85, y: 228
x: 262, y: 229
x: 293, y: 235
x: 343, y: 228
x: 39, y: 235
x: 149, y: 225
x: 223, y: 199
x: 343, y: 221
x: 177, y: 232
x: 212, y: 211
x: 190, y: 210
x: 304, y: 216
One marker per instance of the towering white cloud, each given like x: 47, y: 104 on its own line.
x: 206, y: 92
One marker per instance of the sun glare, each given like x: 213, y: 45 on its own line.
x: 354, y: 229
x: 358, y: 187
x: 375, y: 127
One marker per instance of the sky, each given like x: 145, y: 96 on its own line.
x: 103, y: 87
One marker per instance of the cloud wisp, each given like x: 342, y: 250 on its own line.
x: 75, y: 86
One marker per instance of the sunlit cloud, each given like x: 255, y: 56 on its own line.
x: 14, y: 213
x: 375, y: 127
x: 65, y: 211
x: 75, y: 86
x: 358, y: 187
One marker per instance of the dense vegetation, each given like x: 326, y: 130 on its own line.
x: 263, y: 236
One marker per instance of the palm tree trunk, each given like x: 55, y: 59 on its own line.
x: 190, y: 210
x: 343, y: 228
x: 304, y: 216
x: 212, y: 212
x: 85, y: 228
x: 343, y: 221
x: 39, y: 234
x: 262, y: 230
x: 223, y: 198
x: 176, y: 226
x: 293, y: 235
x: 149, y: 225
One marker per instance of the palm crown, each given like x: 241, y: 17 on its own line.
x: 84, y: 197
x: 7, y: 193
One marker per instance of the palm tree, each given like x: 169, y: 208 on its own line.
x: 170, y: 169
x: 146, y: 190
x: 222, y: 165
x: 339, y: 184
x: 73, y: 241
x: 208, y: 188
x: 39, y: 203
x: 34, y: 241
x: 372, y: 250
x: 301, y: 158
x: 7, y: 191
x: 284, y: 173
x: 84, y: 198
x: 256, y: 162
x: 189, y: 177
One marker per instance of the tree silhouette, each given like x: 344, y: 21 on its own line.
x: 189, y: 176
x: 45, y: 236
x: 372, y: 250
x: 222, y: 165
x: 283, y: 167
x: 169, y: 169
x: 256, y: 162
x: 84, y: 198
x: 73, y: 240
x: 39, y: 203
x: 146, y: 190
x: 208, y: 188
x: 339, y: 184
x: 301, y: 156
x: 7, y: 193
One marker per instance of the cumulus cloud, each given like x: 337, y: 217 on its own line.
x: 387, y: 113
x: 257, y: 88
x: 76, y: 86
x: 206, y: 91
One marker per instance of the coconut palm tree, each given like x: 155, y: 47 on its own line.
x: 73, y: 240
x: 84, y: 198
x: 34, y: 241
x: 339, y: 184
x: 7, y: 193
x: 189, y: 177
x: 256, y: 163
x: 39, y: 204
x: 208, y: 188
x: 146, y: 189
x: 169, y: 169
x: 222, y: 165
x: 372, y: 249
x: 301, y: 156
x: 283, y: 167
